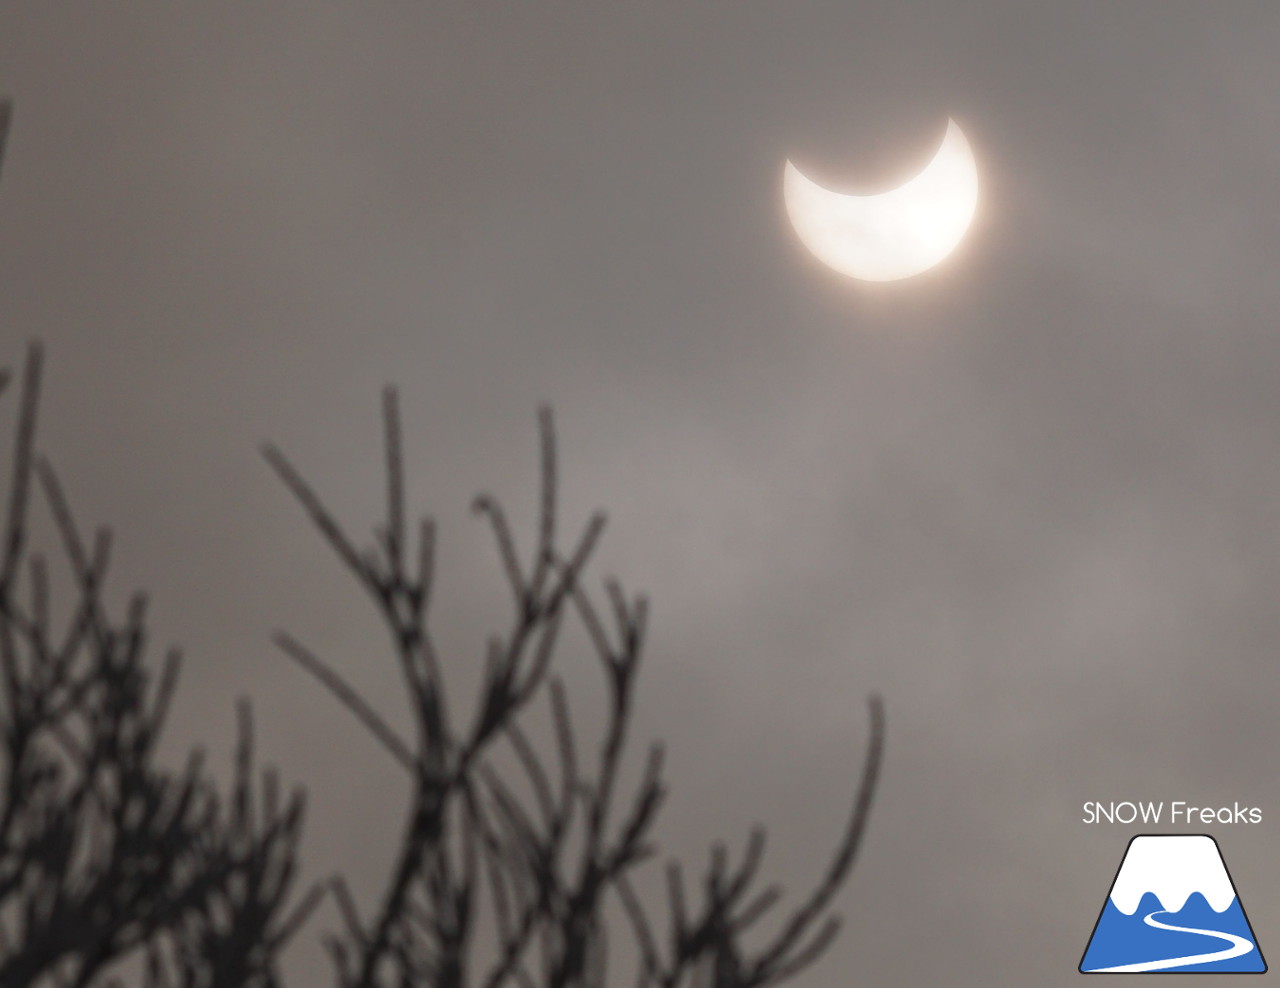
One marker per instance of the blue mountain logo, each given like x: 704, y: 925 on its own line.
x: 1173, y: 908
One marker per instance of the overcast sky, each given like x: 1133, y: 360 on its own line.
x: 1029, y: 496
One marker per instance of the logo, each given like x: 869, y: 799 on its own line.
x: 1172, y: 908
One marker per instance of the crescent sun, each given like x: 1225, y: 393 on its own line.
x: 895, y: 234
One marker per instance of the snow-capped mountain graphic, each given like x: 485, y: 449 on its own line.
x: 1172, y: 908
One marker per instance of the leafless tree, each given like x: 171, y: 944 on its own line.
x: 544, y: 866
x: 107, y: 858
x: 6, y: 112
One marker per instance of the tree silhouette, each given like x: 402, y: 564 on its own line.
x: 515, y: 863
x: 542, y: 868
x: 6, y: 113
x: 104, y: 855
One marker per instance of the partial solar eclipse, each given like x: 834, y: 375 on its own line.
x: 895, y: 234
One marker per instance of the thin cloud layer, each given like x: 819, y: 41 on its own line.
x: 1027, y: 496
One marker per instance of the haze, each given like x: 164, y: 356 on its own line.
x: 1029, y: 496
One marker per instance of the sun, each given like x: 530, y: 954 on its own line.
x: 896, y: 234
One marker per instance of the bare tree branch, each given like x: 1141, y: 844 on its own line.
x: 538, y: 873
x: 105, y: 855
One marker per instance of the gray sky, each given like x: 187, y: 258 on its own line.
x: 1029, y: 496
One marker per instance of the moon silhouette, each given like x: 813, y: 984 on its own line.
x: 895, y: 234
